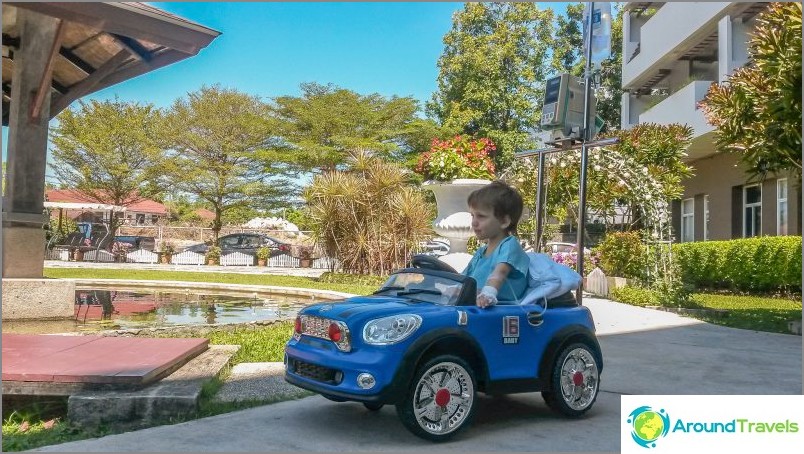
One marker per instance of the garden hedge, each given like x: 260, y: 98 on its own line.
x: 761, y: 264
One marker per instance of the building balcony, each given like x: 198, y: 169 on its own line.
x: 681, y: 107
x: 673, y: 31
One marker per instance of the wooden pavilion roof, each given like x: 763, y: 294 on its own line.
x: 101, y: 44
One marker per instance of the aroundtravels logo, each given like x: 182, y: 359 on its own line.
x: 733, y: 423
x: 648, y: 425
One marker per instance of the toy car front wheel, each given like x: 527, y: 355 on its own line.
x: 441, y: 399
x: 575, y: 381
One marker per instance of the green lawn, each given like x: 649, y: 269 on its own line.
x: 751, y: 312
x: 758, y: 313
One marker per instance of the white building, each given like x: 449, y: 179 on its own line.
x: 672, y: 53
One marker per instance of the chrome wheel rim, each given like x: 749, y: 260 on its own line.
x: 443, y: 398
x: 579, y: 379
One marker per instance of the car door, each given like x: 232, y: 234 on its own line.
x: 513, y: 347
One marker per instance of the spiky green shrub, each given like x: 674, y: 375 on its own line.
x: 368, y: 217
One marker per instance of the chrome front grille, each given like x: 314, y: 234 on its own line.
x: 315, y: 326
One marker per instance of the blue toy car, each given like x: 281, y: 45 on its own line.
x: 429, y: 352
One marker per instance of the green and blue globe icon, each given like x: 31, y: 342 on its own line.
x: 648, y: 425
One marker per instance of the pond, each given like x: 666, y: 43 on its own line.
x: 130, y: 309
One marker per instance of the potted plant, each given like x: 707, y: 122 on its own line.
x: 453, y: 169
x: 167, y: 253
x: 305, y: 255
x: 213, y: 255
x: 263, y: 254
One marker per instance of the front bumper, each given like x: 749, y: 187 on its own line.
x: 316, y: 365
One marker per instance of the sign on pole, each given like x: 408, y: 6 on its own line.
x: 601, y: 30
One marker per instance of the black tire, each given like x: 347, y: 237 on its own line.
x: 373, y: 406
x: 574, y: 381
x: 444, y: 409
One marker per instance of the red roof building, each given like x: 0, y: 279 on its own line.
x: 142, y: 212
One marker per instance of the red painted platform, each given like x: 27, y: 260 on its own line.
x: 93, y: 359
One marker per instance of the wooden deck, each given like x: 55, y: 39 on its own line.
x: 60, y: 365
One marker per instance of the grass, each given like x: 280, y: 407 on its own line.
x: 200, y: 276
x: 759, y: 313
x: 751, y: 312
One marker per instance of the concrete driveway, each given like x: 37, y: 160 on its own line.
x: 645, y: 352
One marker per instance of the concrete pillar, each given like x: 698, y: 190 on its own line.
x: 724, y: 49
x: 23, y: 236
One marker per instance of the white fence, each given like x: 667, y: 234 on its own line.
x: 187, y: 258
x: 237, y: 259
x: 193, y: 258
x: 142, y: 256
x: 98, y: 256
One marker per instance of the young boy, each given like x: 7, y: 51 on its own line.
x: 501, y: 266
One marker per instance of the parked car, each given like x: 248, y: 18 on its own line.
x: 247, y: 243
x: 429, y: 353
x: 137, y: 242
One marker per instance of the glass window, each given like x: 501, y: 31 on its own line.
x: 706, y: 216
x: 752, y: 211
x: 781, y: 206
x: 688, y: 220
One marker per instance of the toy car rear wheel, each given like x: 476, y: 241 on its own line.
x: 373, y: 406
x: 441, y: 399
x: 574, y: 381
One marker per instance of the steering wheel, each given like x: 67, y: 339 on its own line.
x: 431, y: 263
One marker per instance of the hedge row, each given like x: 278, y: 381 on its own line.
x: 762, y: 264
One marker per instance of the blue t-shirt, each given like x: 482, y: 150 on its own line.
x: 508, y: 251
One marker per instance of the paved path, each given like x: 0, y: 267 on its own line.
x: 304, y: 272
x: 645, y: 352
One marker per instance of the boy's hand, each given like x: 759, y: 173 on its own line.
x: 487, y: 297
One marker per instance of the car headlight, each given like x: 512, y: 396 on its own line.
x: 390, y: 330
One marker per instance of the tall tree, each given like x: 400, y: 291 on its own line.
x: 217, y: 139
x: 757, y: 111
x: 326, y: 122
x: 492, y: 71
x: 109, y: 150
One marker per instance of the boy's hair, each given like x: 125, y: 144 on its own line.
x: 500, y: 197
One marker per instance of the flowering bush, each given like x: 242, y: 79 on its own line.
x: 459, y: 157
x: 570, y: 259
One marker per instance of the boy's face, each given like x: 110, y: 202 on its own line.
x: 487, y: 226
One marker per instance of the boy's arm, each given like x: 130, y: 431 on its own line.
x: 488, y: 296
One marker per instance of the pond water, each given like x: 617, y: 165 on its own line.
x: 130, y: 309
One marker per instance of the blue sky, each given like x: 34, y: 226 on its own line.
x: 268, y: 49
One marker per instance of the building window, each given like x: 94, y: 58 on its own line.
x: 706, y: 216
x: 687, y: 220
x: 781, y: 206
x: 752, y: 210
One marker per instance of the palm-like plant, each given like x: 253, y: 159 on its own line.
x: 368, y: 217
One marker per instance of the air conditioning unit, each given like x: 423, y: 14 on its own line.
x: 562, y: 112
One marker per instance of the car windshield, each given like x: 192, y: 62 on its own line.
x: 422, y: 286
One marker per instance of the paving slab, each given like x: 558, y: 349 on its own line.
x: 174, y: 396
x: 33, y: 362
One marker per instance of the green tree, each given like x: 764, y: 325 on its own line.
x: 322, y: 126
x: 757, y: 111
x: 218, y: 140
x: 492, y: 71
x: 108, y: 150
